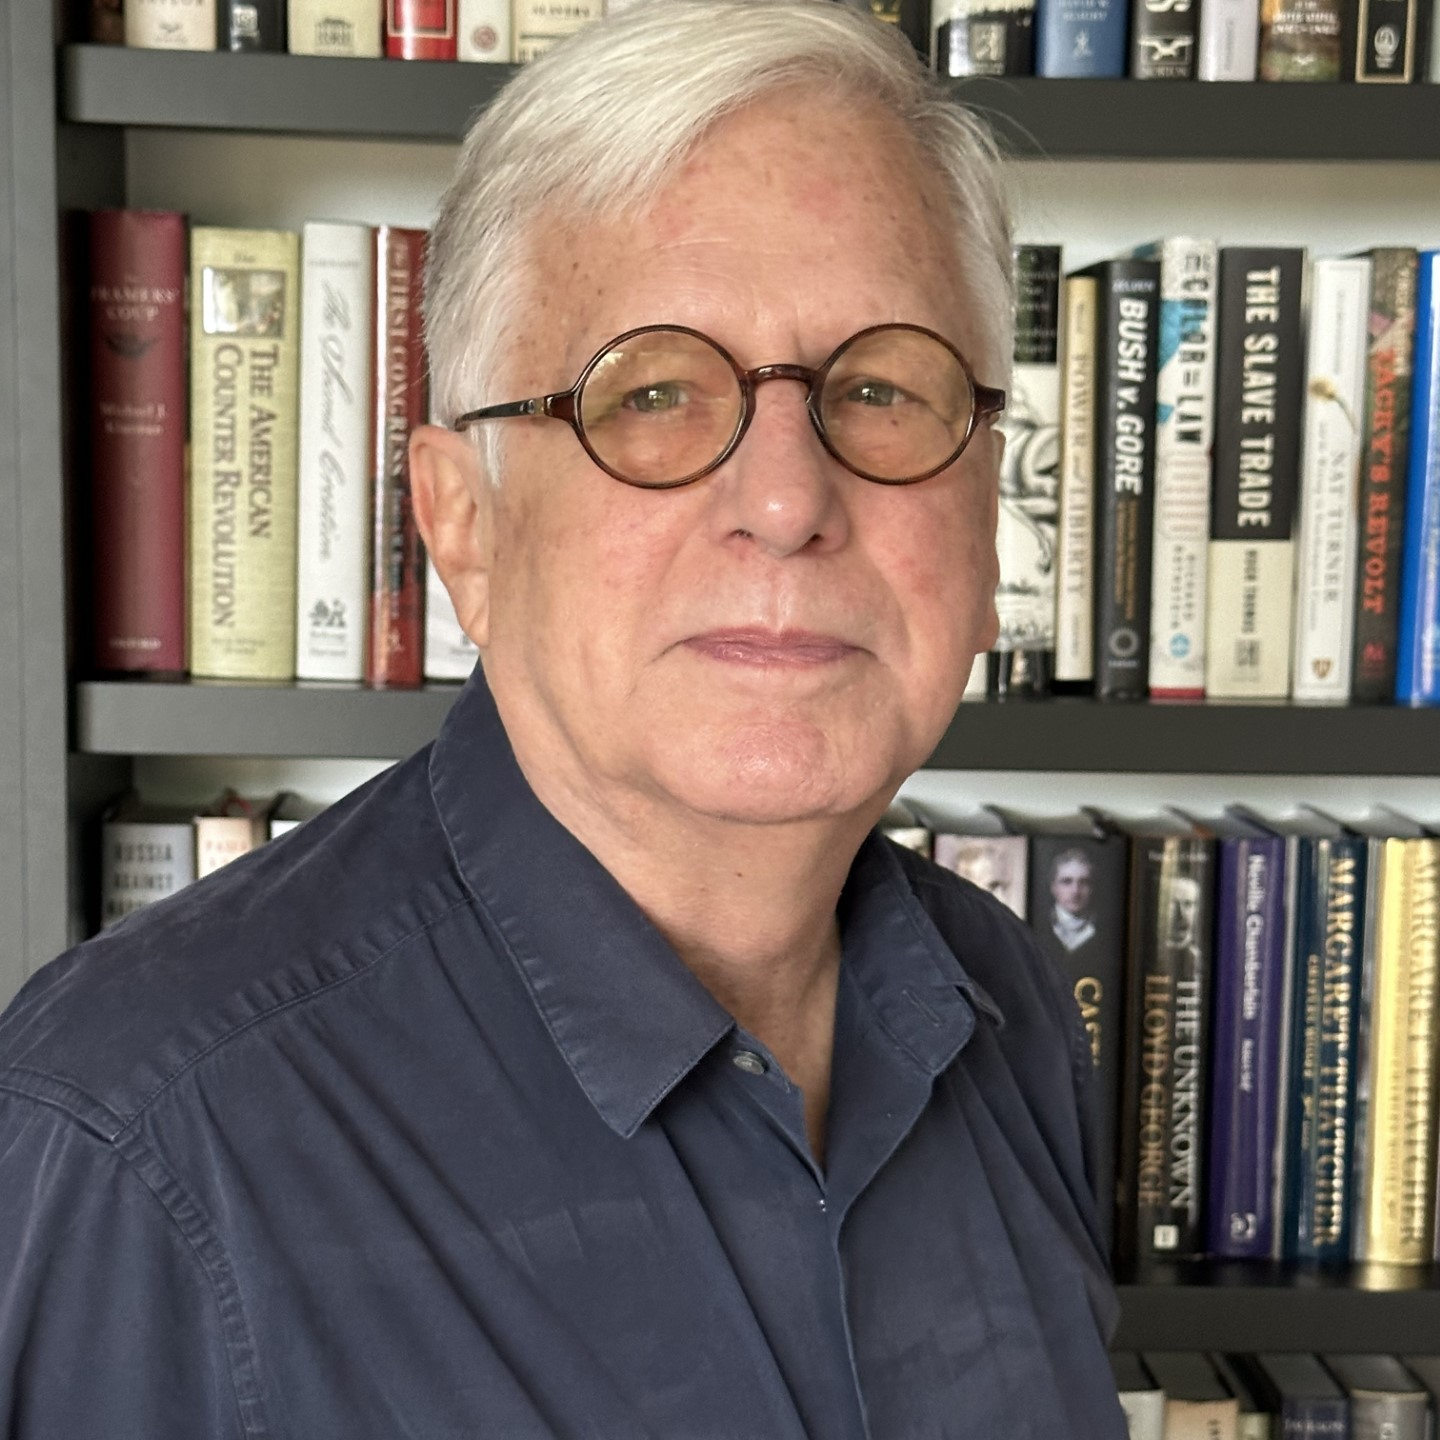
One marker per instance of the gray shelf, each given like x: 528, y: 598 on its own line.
x: 112, y: 85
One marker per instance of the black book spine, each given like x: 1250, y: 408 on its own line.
x: 979, y: 38
x: 1383, y: 462
x: 250, y: 24
x: 1128, y: 314
x: 1167, y: 1049
x: 1162, y: 39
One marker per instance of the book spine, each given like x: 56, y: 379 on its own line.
x: 142, y: 862
x: 1229, y: 40
x: 1184, y: 434
x: 1025, y: 533
x: 1302, y: 39
x: 136, y: 306
x: 1329, y: 526
x: 1314, y: 1417
x: 244, y: 388
x: 1417, y: 680
x: 1075, y: 563
x: 170, y: 24
x: 219, y: 839
x: 486, y: 31
x: 1257, y: 441
x: 1166, y: 1050
x: 336, y: 412
x: 1397, y: 1210
x: 983, y: 39
x: 420, y: 30
x: 540, y: 23
x: 335, y: 27
x: 1124, y: 474
x: 1246, y: 1059
x: 1162, y: 40
x: 1385, y: 1416
x: 397, y: 587
x: 1080, y: 38
x: 105, y: 22
x: 1387, y: 32
x: 1385, y: 448
x: 250, y: 24
x: 1320, y: 1118
x: 450, y: 654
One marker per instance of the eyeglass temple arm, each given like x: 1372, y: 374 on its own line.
x: 988, y: 400
x: 561, y: 406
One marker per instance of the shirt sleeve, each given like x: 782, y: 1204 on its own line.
x: 109, y: 1324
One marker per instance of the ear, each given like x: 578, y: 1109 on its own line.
x: 453, y: 509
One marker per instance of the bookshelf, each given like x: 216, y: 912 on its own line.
x: 73, y: 128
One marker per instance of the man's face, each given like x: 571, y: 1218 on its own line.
x: 1071, y: 887
x: 780, y: 640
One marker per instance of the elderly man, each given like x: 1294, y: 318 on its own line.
x: 599, y: 1072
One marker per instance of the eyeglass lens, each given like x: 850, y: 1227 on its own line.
x: 664, y: 404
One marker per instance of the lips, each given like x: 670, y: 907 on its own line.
x: 771, y: 647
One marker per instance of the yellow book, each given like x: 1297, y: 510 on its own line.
x: 244, y: 387
x: 1395, y: 1214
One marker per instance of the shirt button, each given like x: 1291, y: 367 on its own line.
x: 749, y: 1062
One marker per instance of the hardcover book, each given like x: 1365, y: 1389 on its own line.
x: 486, y: 31
x: 1302, y: 39
x: 1075, y: 541
x: 1162, y: 39
x: 226, y: 830
x: 334, y: 27
x: 1080, y: 38
x: 540, y: 23
x: 983, y: 37
x: 981, y: 849
x: 1142, y: 1400
x: 1198, y: 1406
x: 244, y: 383
x: 1127, y: 333
x: 397, y: 587
x: 288, y: 812
x: 1253, y: 1419
x: 170, y: 24
x: 1385, y: 448
x: 336, y: 415
x: 1257, y: 444
x: 450, y: 654
x: 1184, y: 434
x: 420, y: 29
x: 251, y: 24
x: 1330, y: 480
x: 137, y: 429
x: 106, y: 22
x: 1229, y: 40
x: 1387, y: 32
x: 1386, y: 1400
x: 1304, y: 1397
x: 1029, y: 478
x: 147, y: 853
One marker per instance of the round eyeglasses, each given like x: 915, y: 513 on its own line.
x: 663, y: 405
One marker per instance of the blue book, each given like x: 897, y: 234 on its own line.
x: 1417, y: 673
x: 1080, y: 38
x: 1247, y: 1057
x: 1304, y: 1396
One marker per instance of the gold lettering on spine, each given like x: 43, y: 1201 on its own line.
x: 1417, y: 1143
x: 227, y: 376
x: 1331, y: 1144
x: 1157, y: 1012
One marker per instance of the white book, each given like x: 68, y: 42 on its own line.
x: 1144, y: 1413
x: 538, y: 24
x: 450, y: 654
x: 1330, y: 449
x: 336, y: 414
x: 979, y: 849
x: 146, y: 854
x: 334, y: 27
x: 1075, y: 546
x: 1184, y: 434
x: 1229, y: 40
x: 170, y: 24
x: 486, y: 31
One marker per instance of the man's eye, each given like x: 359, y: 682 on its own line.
x: 652, y: 399
x: 875, y: 392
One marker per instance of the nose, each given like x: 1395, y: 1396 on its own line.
x: 781, y: 491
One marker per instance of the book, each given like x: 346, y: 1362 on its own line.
x: 1184, y: 434
x: 1080, y: 38
x: 1302, y: 39
x: 226, y: 830
x: 1142, y: 1400
x: 396, y: 653
x: 1417, y: 674
x: 332, y: 578
x: 1259, y: 365
x: 1126, y: 335
x: 288, y: 812
x: 486, y: 32
x: 146, y: 853
x: 450, y: 654
x: 1243, y: 1149
x: 540, y: 23
x: 983, y: 37
x: 135, y: 306
x: 106, y: 22
x: 1426, y: 1369
x: 903, y: 826
x: 334, y: 27
x: 168, y: 25
x: 1305, y: 1398
x: 1386, y: 1400
x: 421, y: 29
x: 1385, y: 450
x: 1198, y: 1406
x: 250, y: 24
x: 1029, y: 480
x: 1162, y: 39
x: 1253, y: 1419
x: 244, y: 386
x: 1386, y: 41
x: 1075, y: 538
x: 1329, y: 523
x: 981, y: 848
x: 1229, y: 40
x: 1167, y: 1043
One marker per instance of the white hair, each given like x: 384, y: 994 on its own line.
x: 597, y: 125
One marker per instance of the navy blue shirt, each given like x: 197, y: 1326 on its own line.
x: 410, y: 1126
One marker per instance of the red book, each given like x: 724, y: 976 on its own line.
x: 397, y: 588
x: 137, y: 413
x: 420, y: 29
